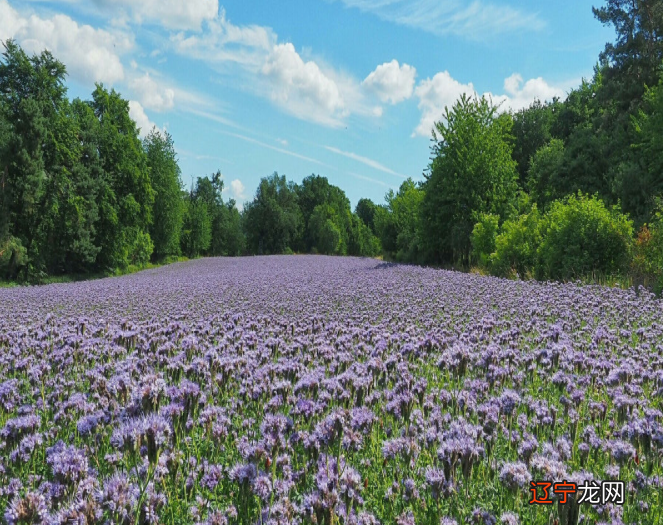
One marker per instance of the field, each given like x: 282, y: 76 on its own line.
x: 306, y: 389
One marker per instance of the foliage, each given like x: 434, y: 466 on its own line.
x: 324, y: 233
x: 472, y: 172
x: 398, y: 223
x: 197, y: 229
x: 581, y: 236
x: 647, y: 262
x: 483, y: 238
x: 517, y: 245
x: 366, y: 210
x: 273, y: 220
x: 168, y: 205
x: 13, y: 256
x: 546, y: 168
x: 362, y: 240
x: 532, y: 129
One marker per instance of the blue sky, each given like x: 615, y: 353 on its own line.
x: 348, y: 89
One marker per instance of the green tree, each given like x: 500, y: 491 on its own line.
x: 168, y: 211
x: 362, y: 240
x: 366, y: 210
x: 127, y: 195
x: 197, y: 229
x: 324, y: 232
x: 399, y: 222
x: 546, y: 169
x: 532, y: 129
x: 640, y: 191
x: 48, y: 201
x: 273, y: 221
x: 315, y: 191
x: 635, y: 57
x: 232, y: 233
x: 472, y: 172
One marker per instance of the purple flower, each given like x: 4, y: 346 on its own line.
x: 515, y: 475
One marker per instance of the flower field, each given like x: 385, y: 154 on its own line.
x: 307, y: 389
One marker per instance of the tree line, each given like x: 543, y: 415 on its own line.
x: 558, y: 190
x: 80, y: 192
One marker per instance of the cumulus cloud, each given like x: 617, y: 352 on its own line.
x: 443, y: 91
x: 519, y: 95
x: 137, y: 113
x: 173, y: 14
x: 391, y: 82
x: 91, y: 55
x: 301, y: 87
x: 152, y: 95
x: 237, y: 190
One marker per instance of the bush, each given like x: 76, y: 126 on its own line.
x: 647, y: 262
x: 483, y: 239
x: 582, y: 237
x: 141, y: 249
x: 516, y: 246
x: 13, y: 256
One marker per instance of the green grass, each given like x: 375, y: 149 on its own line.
x: 75, y: 277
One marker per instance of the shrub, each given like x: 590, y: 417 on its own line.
x: 582, y: 237
x: 483, y: 239
x: 517, y: 244
x: 13, y: 256
x: 647, y: 262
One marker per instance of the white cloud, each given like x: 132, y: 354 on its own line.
x: 10, y: 21
x: 301, y: 88
x: 223, y: 41
x: 91, y: 55
x: 151, y: 94
x: 434, y: 95
x: 173, y: 14
x: 391, y: 82
x: 137, y: 113
x: 365, y: 160
x: 475, y: 20
x: 443, y: 91
x: 519, y: 95
x: 237, y: 190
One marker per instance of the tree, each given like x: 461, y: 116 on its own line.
x: 315, y: 191
x: 472, y: 172
x: 398, y: 222
x: 127, y: 194
x: 168, y: 211
x: 197, y: 229
x: 273, y: 221
x: 324, y: 232
x: 232, y: 234
x: 634, y: 59
x: 532, y: 129
x: 640, y: 192
x: 48, y: 201
x: 366, y: 210
x: 546, y: 169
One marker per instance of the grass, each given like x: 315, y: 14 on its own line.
x: 75, y: 277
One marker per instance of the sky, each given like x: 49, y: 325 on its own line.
x: 347, y: 89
